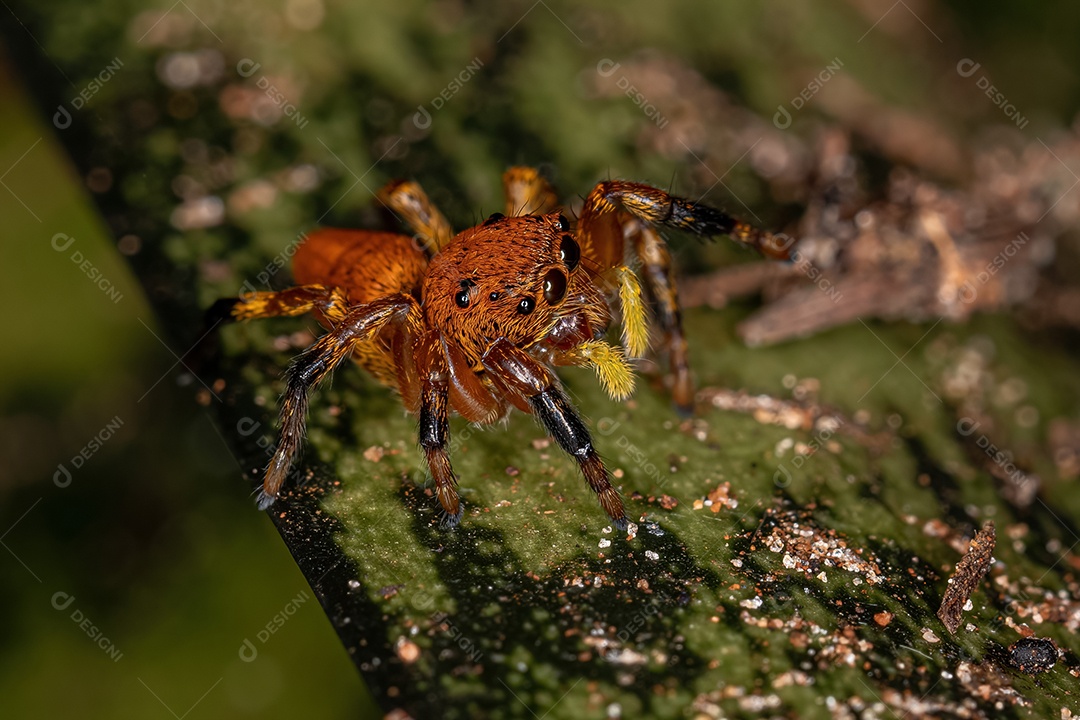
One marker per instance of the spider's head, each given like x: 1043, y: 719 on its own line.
x: 515, y: 277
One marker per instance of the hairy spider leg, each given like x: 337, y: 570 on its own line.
x: 361, y: 285
x: 307, y: 371
x: 603, y: 250
x: 434, y: 426
x: 657, y: 207
x: 660, y: 283
x: 635, y: 325
x: 607, y: 361
x: 468, y: 395
x: 528, y: 193
x: 337, y: 269
x: 516, y: 369
x: 616, y: 210
x: 412, y: 205
x: 328, y: 302
x: 366, y: 265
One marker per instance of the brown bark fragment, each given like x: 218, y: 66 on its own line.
x: 969, y: 572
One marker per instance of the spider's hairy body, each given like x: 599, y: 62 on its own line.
x: 503, y: 263
x: 366, y: 266
x: 475, y: 323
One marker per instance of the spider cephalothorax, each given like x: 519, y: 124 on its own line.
x: 511, y: 277
x: 474, y: 323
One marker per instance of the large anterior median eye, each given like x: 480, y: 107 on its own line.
x: 462, y: 297
x: 554, y: 286
x: 569, y: 252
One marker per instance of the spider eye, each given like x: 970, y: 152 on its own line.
x: 462, y: 299
x: 493, y: 296
x: 569, y: 252
x: 494, y: 217
x: 554, y: 286
x: 526, y: 305
x: 564, y: 224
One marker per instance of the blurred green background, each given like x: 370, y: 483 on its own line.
x: 154, y: 537
x: 154, y: 540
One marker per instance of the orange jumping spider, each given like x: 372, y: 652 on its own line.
x: 473, y: 323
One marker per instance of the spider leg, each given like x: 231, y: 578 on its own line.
x: 659, y: 277
x: 657, y: 207
x: 635, y: 319
x: 359, y: 324
x: 434, y: 427
x: 528, y: 377
x: 609, y: 363
x: 616, y: 211
x: 411, y: 203
x: 328, y: 302
x: 527, y: 192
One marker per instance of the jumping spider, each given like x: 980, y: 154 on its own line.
x: 474, y: 322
